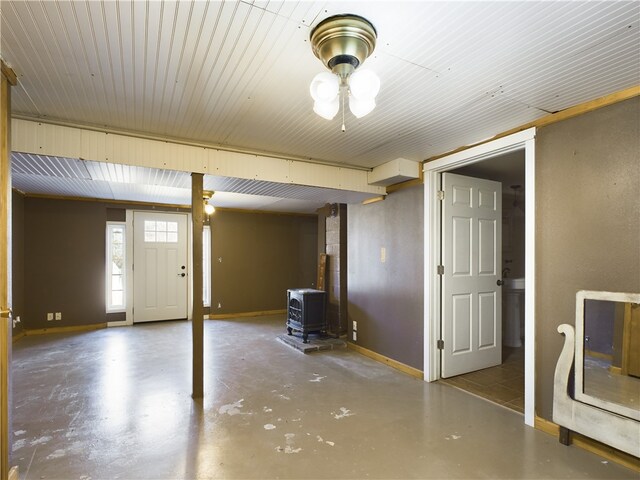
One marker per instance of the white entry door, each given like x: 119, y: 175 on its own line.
x: 471, y: 256
x: 160, y: 268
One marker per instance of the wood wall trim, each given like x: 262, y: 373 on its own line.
x: 590, y: 445
x: 6, y: 327
x: 262, y: 313
x: 14, y: 473
x: 71, y: 329
x: 8, y: 73
x: 404, y: 368
x: 17, y: 336
x: 546, y: 426
x: 600, y: 355
x: 555, y: 117
x: 373, y: 200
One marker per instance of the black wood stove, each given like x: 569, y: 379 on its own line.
x: 305, y: 311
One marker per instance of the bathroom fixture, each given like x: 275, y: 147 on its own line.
x: 517, y: 210
x: 513, y: 318
x: 343, y: 43
x: 514, y: 283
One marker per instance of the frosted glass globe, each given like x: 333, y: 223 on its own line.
x: 361, y: 107
x: 327, y: 110
x: 364, y: 84
x: 324, y: 87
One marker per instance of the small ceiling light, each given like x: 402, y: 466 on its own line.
x: 361, y: 107
x: 206, y: 196
x: 364, y: 84
x: 343, y: 43
x: 325, y: 90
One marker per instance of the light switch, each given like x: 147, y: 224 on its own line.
x: 383, y: 254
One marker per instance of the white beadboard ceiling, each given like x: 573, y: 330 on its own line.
x: 236, y: 74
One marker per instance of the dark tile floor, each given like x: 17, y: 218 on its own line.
x: 502, y: 384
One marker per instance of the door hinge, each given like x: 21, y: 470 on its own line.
x: 440, y: 269
x: 440, y: 344
x: 440, y: 194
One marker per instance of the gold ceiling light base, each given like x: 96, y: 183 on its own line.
x: 206, y: 197
x: 207, y: 194
x: 343, y: 42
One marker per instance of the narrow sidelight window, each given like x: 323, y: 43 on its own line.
x: 116, y: 267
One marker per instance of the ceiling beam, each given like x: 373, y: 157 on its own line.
x: 43, y: 138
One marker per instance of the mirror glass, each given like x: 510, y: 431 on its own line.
x: 610, y: 354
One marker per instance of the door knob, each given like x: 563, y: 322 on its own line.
x: 500, y: 283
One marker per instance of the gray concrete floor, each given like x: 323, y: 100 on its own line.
x: 116, y: 403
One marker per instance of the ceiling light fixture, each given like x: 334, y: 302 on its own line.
x: 343, y: 43
x: 206, y: 197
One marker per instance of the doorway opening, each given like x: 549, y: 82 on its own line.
x: 524, y: 143
x: 503, y: 381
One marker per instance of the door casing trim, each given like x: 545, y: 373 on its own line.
x: 524, y: 140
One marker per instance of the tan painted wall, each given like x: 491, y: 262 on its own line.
x: 64, y: 260
x: 262, y: 255
x: 587, y: 222
x: 386, y: 299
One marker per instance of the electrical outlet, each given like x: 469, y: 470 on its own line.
x: 58, y: 315
x: 383, y: 254
x: 355, y: 336
x: 49, y: 317
x: 219, y: 305
x: 355, y: 325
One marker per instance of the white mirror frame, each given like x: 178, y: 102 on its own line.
x: 579, y: 394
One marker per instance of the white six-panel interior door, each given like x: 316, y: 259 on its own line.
x: 160, y: 266
x: 472, y: 259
